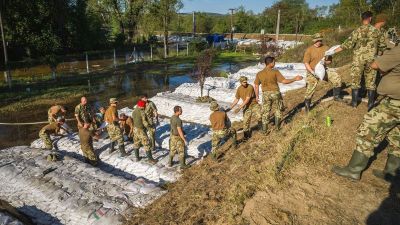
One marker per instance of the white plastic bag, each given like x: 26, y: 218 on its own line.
x: 320, y: 70
x: 331, y: 51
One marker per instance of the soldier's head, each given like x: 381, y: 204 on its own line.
x: 61, y: 120
x: 64, y: 109
x: 178, y: 110
x: 113, y: 101
x: 366, y: 17
x: 102, y: 110
x: 243, y: 81
x: 380, y: 20
x: 141, y: 104
x: 122, y: 116
x: 214, y: 106
x: 317, y: 39
x: 144, y: 97
x: 269, y: 61
x: 83, y: 100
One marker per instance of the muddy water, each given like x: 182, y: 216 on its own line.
x: 125, y: 85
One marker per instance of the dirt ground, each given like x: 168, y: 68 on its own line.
x: 283, y: 178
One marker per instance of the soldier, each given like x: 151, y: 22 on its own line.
x: 220, y: 125
x: 140, y: 124
x: 312, y: 56
x: 56, y: 111
x: 126, y: 123
x: 249, y: 105
x: 99, y: 117
x: 86, y: 138
x: 113, y: 129
x: 381, y: 122
x: 83, y: 113
x: 52, y: 128
x: 272, y: 98
x: 152, y: 115
x: 177, y: 140
x: 365, y: 41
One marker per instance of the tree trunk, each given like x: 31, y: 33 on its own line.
x: 165, y: 38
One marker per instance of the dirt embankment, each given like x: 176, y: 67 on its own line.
x: 283, y: 178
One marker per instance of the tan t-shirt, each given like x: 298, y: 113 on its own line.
x: 269, y: 78
x: 110, y: 112
x: 218, y: 120
x: 52, y: 128
x: 313, y: 55
x: 244, y: 92
x: 390, y: 83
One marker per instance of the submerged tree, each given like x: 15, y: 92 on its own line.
x: 204, y: 67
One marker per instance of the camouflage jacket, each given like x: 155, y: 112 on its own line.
x: 365, y: 40
x: 84, y: 112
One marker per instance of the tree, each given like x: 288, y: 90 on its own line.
x: 204, y: 66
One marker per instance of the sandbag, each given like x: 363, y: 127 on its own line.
x: 320, y: 70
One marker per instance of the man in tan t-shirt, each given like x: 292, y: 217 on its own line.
x: 221, y: 128
x: 313, y: 55
x: 272, y: 98
x: 113, y: 129
x: 249, y: 105
x: 56, y: 111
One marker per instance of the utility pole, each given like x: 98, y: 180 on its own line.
x: 277, y: 25
x: 7, y: 74
x: 194, y: 24
x: 232, y: 24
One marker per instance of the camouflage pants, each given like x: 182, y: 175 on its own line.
x: 115, y: 133
x: 312, y: 82
x: 272, y: 100
x: 46, y: 140
x: 151, y: 132
x: 248, y: 113
x: 140, y: 139
x: 176, y: 145
x: 381, y: 122
x: 358, y: 67
x: 88, y: 153
x: 51, y: 119
x: 220, y: 135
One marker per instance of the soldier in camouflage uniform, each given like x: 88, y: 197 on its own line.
x: 381, y: 122
x: 249, y: 105
x: 366, y: 42
x: 152, y: 115
x: 126, y: 123
x: 86, y: 139
x: 113, y: 129
x: 56, y: 111
x: 83, y: 113
x: 140, y: 124
x: 177, y: 141
x: 52, y: 128
x: 272, y: 98
x: 220, y: 126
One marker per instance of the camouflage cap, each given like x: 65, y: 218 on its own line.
x: 242, y: 78
x: 113, y: 100
x: 381, y: 18
x: 317, y: 37
x: 214, y: 106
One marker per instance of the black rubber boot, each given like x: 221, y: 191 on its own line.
x: 336, y: 94
x: 354, y: 97
x: 137, y: 156
x: 112, y: 147
x: 371, y: 99
x: 246, y: 135
x: 150, y: 157
x: 265, y: 129
x: 171, y: 161
x: 277, y: 123
x: 357, y: 164
x: 391, y: 168
x: 234, y: 141
x: 183, y: 164
x: 307, y: 104
x: 122, y: 151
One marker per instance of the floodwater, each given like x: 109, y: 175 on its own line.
x: 126, y: 85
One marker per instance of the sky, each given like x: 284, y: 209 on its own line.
x: 222, y: 6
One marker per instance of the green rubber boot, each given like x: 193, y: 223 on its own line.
x: 137, y: 156
x: 265, y: 128
x: 183, y: 164
x: 391, y: 168
x: 277, y: 123
x: 357, y: 164
x: 112, y: 147
x: 150, y: 157
x: 171, y: 161
x: 234, y: 141
x: 122, y: 151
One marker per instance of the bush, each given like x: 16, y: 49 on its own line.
x: 198, y: 45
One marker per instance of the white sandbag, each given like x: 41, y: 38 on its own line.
x: 331, y: 51
x: 320, y: 70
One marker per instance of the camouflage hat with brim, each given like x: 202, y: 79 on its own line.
x: 113, y: 100
x: 317, y: 37
x: 242, y: 79
x: 214, y: 106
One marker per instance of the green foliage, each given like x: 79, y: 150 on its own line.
x: 198, y: 45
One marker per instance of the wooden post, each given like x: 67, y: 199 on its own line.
x: 177, y: 49
x: 187, y: 49
x: 87, y: 63
x: 277, y: 25
x: 7, y: 73
x: 151, y: 53
x: 115, y: 59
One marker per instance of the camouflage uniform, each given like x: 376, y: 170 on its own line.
x: 84, y: 113
x: 176, y: 145
x: 140, y: 123
x: 248, y: 113
x: 271, y: 100
x: 332, y: 76
x: 365, y: 41
x: 219, y: 135
x: 151, y: 129
x: 50, y: 116
x: 44, y: 134
x: 115, y: 133
x: 86, y: 139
